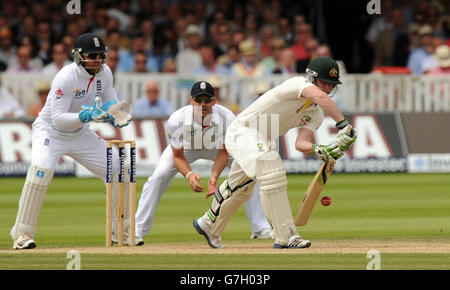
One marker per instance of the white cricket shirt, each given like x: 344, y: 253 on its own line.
x: 71, y: 88
x: 183, y: 131
x: 282, y: 108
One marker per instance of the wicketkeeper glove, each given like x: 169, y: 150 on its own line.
x: 327, y: 153
x: 95, y: 112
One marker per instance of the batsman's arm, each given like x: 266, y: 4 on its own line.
x: 182, y: 165
x: 315, y: 95
x: 304, y: 141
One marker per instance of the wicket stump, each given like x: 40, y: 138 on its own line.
x: 120, y: 195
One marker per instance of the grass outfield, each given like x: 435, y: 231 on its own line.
x: 405, y: 217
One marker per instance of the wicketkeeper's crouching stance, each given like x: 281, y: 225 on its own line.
x: 297, y: 102
x: 81, y: 92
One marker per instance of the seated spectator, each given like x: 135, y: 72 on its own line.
x: 151, y: 104
x: 209, y: 65
x: 272, y: 62
x: 127, y: 57
x: 287, y: 63
x: 190, y: 57
x: 249, y: 66
x: 140, y: 62
x: 430, y: 61
x: 230, y: 58
x: 442, y: 56
x: 23, y: 61
x: 60, y: 59
x: 112, y: 59
x: 9, y: 107
x: 417, y: 56
x: 303, y: 33
x: 170, y: 66
x: 43, y: 89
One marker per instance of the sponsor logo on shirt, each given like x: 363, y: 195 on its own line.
x: 305, y: 120
x: 59, y: 92
x: 79, y: 93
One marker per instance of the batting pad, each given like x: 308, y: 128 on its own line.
x: 226, y: 201
x: 33, y: 193
x: 271, y: 175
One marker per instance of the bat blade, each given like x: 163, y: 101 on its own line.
x: 312, y: 193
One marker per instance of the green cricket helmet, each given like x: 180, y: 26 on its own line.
x: 325, y: 69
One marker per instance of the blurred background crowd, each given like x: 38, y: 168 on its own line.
x: 251, y: 38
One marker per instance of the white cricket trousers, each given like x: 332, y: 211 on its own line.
x: 88, y: 149
x: 159, y: 182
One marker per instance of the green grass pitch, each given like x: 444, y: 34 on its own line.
x: 388, y: 212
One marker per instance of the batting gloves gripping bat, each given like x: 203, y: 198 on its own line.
x: 327, y: 153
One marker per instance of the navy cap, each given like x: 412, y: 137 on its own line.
x: 202, y: 88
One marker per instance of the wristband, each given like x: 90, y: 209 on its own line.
x: 341, y: 124
x: 189, y: 173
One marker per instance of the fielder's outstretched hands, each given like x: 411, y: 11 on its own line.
x: 194, y: 182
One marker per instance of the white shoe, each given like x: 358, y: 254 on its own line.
x: 294, y: 242
x: 24, y: 242
x: 203, y: 229
x: 264, y: 234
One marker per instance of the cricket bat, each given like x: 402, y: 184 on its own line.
x: 313, y: 192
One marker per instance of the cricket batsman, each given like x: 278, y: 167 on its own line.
x: 195, y: 132
x: 250, y: 140
x: 80, y: 93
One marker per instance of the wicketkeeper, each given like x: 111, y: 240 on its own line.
x: 80, y: 93
x: 250, y: 140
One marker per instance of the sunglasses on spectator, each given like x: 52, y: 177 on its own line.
x: 206, y: 100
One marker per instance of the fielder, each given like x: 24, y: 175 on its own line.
x: 195, y: 132
x: 61, y: 129
x: 250, y: 140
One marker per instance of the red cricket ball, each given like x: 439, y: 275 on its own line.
x: 326, y: 200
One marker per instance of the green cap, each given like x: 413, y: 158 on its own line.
x: 325, y: 69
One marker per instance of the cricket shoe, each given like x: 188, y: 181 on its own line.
x: 24, y: 242
x: 203, y: 229
x: 294, y: 242
x: 264, y: 234
x: 139, y: 241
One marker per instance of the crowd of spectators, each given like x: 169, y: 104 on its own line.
x: 252, y: 38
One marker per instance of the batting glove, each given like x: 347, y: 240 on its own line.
x: 346, y: 136
x: 327, y: 153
